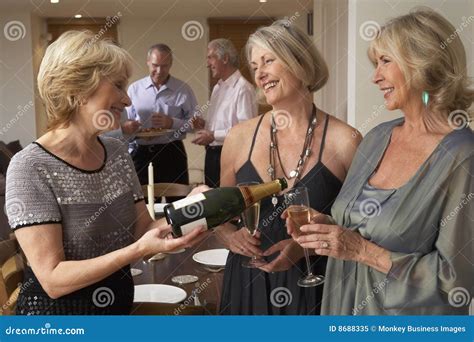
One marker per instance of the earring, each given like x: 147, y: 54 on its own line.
x: 425, y: 97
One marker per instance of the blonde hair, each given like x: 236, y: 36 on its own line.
x: 431, y: 56
x: 72, y: 69
x: 296, y: 51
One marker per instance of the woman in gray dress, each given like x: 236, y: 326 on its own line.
x: 73, y: 197
x: 400, y: 237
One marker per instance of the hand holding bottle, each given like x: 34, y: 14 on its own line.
x: 159, y: 239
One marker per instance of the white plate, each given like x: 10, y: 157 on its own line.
x: 212, y: 257
x: 135, y: 272
x: 158, y: 207
x: 158, y: 293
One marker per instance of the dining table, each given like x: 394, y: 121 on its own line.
x: 207, y: 287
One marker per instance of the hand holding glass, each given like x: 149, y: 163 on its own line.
x: 300, y: 214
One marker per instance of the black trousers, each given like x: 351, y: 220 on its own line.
x: 212, y: 166
x: 170, y: 163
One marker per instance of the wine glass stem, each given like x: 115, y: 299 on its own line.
x: 308, y: 265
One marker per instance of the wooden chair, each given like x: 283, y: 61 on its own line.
x: 196, y: 176
x: 11, y: 275
x: 161, y: 309
x: 168, y: 190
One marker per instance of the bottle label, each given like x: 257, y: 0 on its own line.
x: 188, y: 200
x: 187, y: 228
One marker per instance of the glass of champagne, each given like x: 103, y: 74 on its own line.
x: 250, y: 218
x: 299, y: 212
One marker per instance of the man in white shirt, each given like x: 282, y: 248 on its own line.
x: 233, y: 100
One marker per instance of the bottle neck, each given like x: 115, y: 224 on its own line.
x: 254, y: 193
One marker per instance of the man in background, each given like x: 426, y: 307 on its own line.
x: 232, y: 101
x: 160, y: 100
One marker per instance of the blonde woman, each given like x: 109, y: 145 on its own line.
x: 73, y: 198
x: 287, y: 71
x: 400, y: 237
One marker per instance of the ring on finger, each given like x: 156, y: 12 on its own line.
x: 325, y: 244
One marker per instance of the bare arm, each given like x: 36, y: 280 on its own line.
x: 44, y: 250
x: 237, y: 240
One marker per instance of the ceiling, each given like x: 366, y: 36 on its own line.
x: 155, y: 8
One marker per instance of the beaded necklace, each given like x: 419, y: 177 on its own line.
x: 275, y: 152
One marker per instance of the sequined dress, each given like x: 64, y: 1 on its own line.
x: 96, y: 210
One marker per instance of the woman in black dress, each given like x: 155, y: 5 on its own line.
x: 310, y: 148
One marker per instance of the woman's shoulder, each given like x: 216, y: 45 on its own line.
x: 28, y: 157
x: 113, y: 145
x: 244, y: 129
x: 341, y: 135
x: 458, y: 144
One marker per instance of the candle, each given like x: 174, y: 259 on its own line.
x: 151, y: 200
x: 151, y: 180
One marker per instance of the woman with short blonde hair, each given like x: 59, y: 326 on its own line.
x: 295, y: 50
x: 73, y: 197
x: 430, y: 59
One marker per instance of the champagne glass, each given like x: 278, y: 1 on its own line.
x: 299, y: 212
x: 250, y: 218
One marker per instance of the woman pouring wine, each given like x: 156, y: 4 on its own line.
x: 295, y: 140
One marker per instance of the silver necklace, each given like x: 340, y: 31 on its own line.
x: 275, y: 152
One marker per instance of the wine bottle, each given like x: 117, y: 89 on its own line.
x: 217, y: 206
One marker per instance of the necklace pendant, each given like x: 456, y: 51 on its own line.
x: 270, y: 170
x: 293, y: 173
x: 274, y: 201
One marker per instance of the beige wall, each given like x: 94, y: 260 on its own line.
x: 330, y: 37
x: 17, y: 106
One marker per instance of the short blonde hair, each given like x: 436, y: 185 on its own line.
x: 72, y: 69
x: 295, y: 49
x: 430, y: 54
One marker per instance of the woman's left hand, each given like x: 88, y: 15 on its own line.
x: 290, y: 253
x: 332, y: 240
